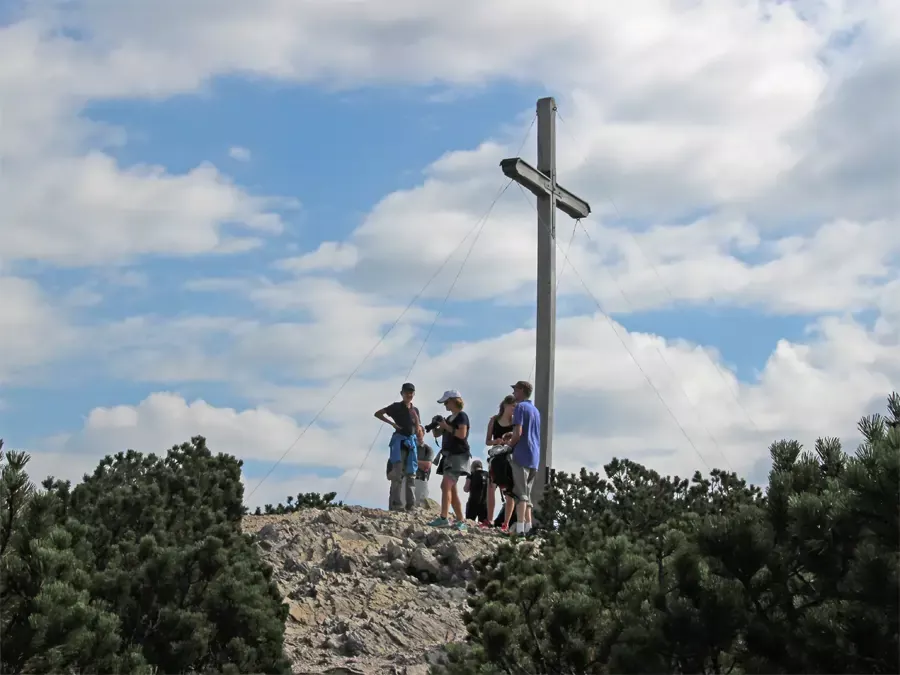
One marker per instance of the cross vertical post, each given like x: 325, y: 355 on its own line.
x: 550, y: 196
x: 545, y: 348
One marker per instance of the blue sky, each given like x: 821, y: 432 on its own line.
x: 737, y: 204
x: 338, y: 153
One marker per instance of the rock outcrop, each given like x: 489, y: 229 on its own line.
x: 369, y: 591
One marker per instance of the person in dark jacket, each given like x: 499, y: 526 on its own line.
x: 477, y: 488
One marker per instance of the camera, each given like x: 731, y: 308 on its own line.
x: 433, y: 424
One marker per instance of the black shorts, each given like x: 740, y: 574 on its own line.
x: 476, y: 511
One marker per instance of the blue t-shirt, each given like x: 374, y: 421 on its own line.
x: 527, y: 452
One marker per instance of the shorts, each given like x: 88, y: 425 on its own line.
x: 476, y: 510
x: 523, y: 481
x: 456, y: 466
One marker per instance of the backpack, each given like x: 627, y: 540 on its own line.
x: 499, y: 467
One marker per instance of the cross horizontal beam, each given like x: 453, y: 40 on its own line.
x: 540, y: 185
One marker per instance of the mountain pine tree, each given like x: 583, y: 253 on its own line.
x: 142, y: 567
x: 650, y: 574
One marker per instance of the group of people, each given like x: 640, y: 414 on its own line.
x: 513, y: 440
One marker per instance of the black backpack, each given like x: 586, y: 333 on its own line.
x: 501, y: 470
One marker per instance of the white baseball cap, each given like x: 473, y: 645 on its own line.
x: 450, y: 393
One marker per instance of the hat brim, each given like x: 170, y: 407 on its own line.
x: 443, y: 400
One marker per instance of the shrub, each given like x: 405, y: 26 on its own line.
x: 646, y: 574
x: 141, y: 568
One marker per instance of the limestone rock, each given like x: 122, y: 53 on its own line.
x: 369, y: 591
x: 423, y: 562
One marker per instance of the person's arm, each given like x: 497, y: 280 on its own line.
x: 425, y: 462
x: 420, y: 430
x: 518, y: 418
x: 462, y: 430
x: 487, y: 437
x: 381, y: 415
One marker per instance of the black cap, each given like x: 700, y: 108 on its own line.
x: 408, y: 386
x: 526, y: 387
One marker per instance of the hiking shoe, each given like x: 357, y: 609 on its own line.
x: 439, y: 522
x: 460, y: 526
x: 504, y: 529
x: 484, y: 525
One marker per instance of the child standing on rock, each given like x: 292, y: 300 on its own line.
x: 477, y: 488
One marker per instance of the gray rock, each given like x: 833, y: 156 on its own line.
x: 433, y: 538
x: 337, y: 561
x: 394, y: 551
x: 423, y: 562
x: 269, y: 533
x: 354, y: 644
x: 295, y: 566
x: 351, y: 577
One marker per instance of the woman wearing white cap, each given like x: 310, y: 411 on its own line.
x: 456, y: 453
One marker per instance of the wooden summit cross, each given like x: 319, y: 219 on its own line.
x: 550, y: 196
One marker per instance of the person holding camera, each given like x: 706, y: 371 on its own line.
x: 404, y: 417
x: 455, y: 454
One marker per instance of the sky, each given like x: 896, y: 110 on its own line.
x: 253, y: 222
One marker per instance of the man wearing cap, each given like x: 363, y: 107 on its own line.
x: 404, y: 417
x: 526, y: 454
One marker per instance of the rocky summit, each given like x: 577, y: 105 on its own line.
x: 369, y: 591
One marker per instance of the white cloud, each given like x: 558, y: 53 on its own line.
x: 328, y: 257
x: 87, y: 210
x: 757, y: 114
x: 311, y: 328
x: 605, y: 406
x: 239, y: 154
x: 32, y: 330
x: 687, y: 103
x: 671, y: 107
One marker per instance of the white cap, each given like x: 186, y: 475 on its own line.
x: 450, y: 393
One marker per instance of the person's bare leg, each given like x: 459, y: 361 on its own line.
x: 445, y: 497
x: 457, y: 504
x: 508, y: 512
x: 491, y: 504
x: 521, y: 511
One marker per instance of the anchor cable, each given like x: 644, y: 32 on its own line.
x: 437, y: 315
x: 665, y: 287
x: 619, y: 337
x: 368, y: 355
x: 477, y: 227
